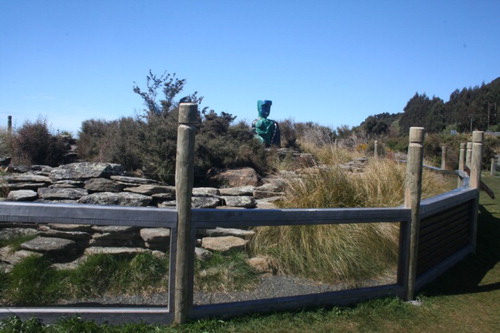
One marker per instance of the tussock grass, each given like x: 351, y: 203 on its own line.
x: 341, y: 253
x: 328, y: 153
x: 224, y: 272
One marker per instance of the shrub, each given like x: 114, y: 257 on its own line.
x: 34, y: 144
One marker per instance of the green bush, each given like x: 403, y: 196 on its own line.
x: 34, y: 144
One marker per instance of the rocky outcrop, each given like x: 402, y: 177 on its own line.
x: 67, y: 245
x: 106, y: 184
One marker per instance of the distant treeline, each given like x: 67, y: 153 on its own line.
x: 467, y: 110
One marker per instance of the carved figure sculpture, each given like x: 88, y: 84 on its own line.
x: 266, y: 130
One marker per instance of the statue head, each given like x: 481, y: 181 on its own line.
x: 264, y: 108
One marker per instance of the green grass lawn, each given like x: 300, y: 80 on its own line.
x: 465, y: 299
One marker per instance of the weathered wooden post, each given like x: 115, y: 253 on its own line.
x: 9, y: 124
x: 468, y: 154
x: 475, y: 178
x: 443, y: 158
x: 461, y: 162
x: 184, y: 175
x: 375, y: 149
x: 461, y: 158
x: 492, y: 167
x: 413, y: 193
x: 475, y: 163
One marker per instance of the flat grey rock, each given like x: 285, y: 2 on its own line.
x: 86, y: 170
x: 119, y: 199
x: 61, y: 193
x: 22, y: 195
x: 240, y: 201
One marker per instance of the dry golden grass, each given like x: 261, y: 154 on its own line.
x: 347, y: 253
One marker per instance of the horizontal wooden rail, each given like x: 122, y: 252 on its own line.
x: 207, y: 218
x: 87, y: 214
x: 444, y: 201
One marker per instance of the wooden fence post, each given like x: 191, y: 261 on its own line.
x: 413, y: 193
x: 468, y: 154
x: 443, y: 158
x: 492, y: 167
x: 461, y: 158
x: 475, y: 179
x: 461, y: 162
x: 375, y: 149
x: 9, y: 124
x: 184, y: 176
x: 475, y: 163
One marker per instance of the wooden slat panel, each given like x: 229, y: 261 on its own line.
x: 437, y: 233
x: 448, y: 214
x: 430, y: 261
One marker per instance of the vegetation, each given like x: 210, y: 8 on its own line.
x: 34, y: 281
x: 464, y: 299
x: 224, y: 272
x: 33, y: 143
x: 147, y: 143
x: 332, y: 253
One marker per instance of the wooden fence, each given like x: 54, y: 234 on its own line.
x: 435, y: 234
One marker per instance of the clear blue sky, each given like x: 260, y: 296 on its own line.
x: 330, y: 62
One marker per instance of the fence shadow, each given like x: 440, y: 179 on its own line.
x: 466, y: 276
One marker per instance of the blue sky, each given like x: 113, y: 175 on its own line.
x: 330, y: 62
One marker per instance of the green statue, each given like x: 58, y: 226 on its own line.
x: 266, y: 130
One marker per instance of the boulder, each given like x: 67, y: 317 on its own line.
x: 235, y: 177
x: 260, y: 264
x: 57, y: 248
x: 155, y: 235
x: 120, y: 199
x: 73, y: 235
x: 12, y: 257
x: 61, y: 193
x: 156, y: 238
x: 70, y: 227
x: 86, y: 170
x: 22, y: 195
x: 67, y: 183
x: 13, y: 232
x: 202, y: 254
x: 204, y: 202
x: 132, y: 181
x: 25, y: 186
x: 150, y: 189
x: 26, y: 178
x: 114, y: 250
x: 236, y: 191
x: 107, y: 236
x: 222, y: 232
x: 102, y: 185
x: 205, y: 191
x: 240, y: 201
x: 223, y: 244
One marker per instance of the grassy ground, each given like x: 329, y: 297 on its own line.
x: 465, y: 299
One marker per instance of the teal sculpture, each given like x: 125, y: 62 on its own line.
x: 266, y: 130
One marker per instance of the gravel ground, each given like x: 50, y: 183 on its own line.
x: 270, y: 286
